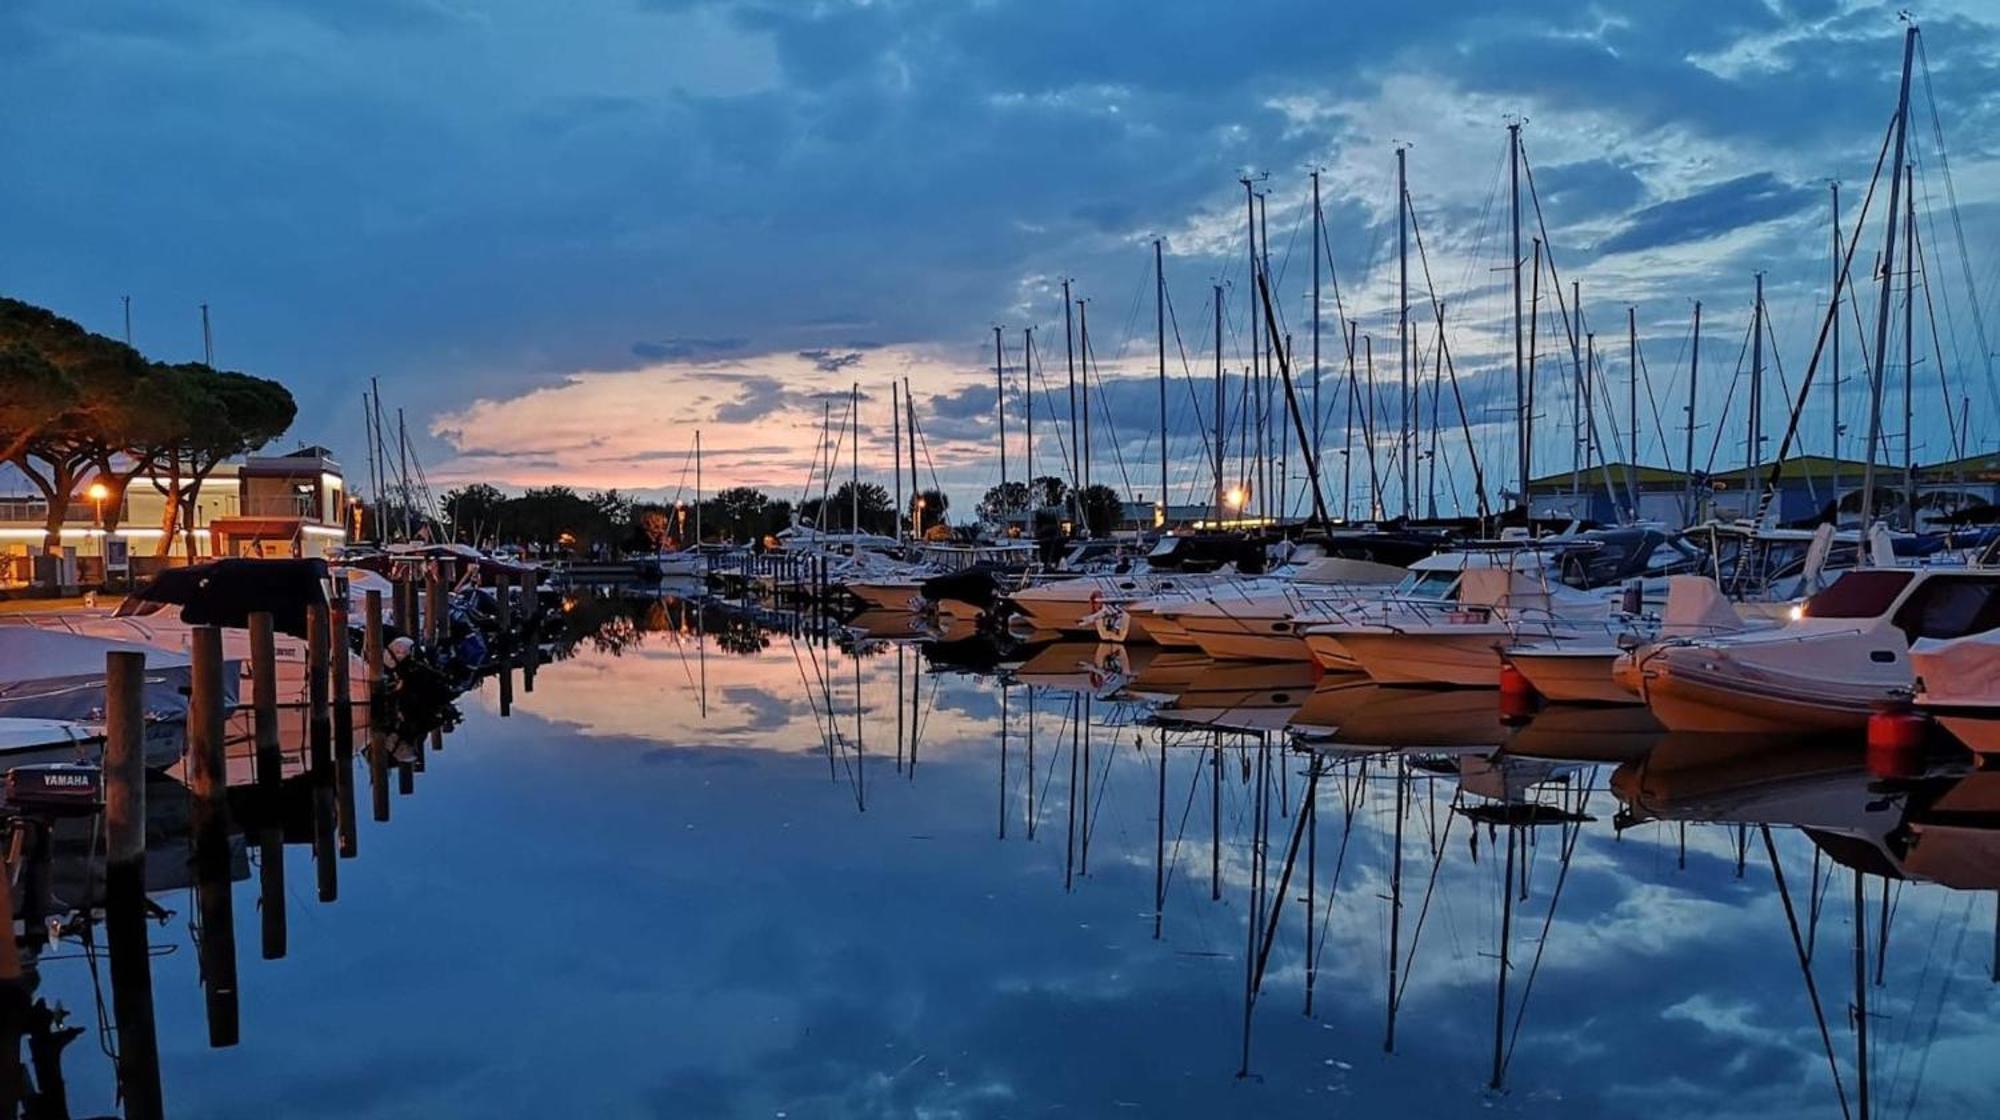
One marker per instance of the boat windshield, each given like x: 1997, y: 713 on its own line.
x: 1951, y: 607
x: 1863, y: 594
x: 1427, y: 584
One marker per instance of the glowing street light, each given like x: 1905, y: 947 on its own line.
x: 98, y: 492
x: 1235, y: 497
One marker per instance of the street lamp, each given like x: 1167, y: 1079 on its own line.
x: 98, y: 492
x: 920, y: 519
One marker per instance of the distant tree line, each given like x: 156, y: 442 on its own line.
x: 78, y: 410
x: 560, y: 518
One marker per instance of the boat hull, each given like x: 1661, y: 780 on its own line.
x: 1572, y: 677
x: 888, y: 596
x: 1686, y: 696
x: 1429, y: 657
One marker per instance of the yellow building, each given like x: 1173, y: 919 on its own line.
x: 267, y: 505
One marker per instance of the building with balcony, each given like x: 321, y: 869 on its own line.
x: 279, y: 505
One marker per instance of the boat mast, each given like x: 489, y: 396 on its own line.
x: 1221, y: 404
x: 1255, y: 386
x: 910, y: 426
x: 1909, y: 338
x: 854, y: 479
x: 1694, y: 380
x: 1521, y: 405
x: 1632, y: 403
x: 1347, y: 431
x: 1403, y: 419
x: 697, y: 487
x: 1160, y: 327
x: 1083, y: 344
x: 1028, y: 404
x: 1834, y: 311
x: 1000, y: 402
x: 1882, y: 306
x: 1319, y: 228
x: 1527, y: 401
x: 1753, y: 449
x: 896, y: 458
x: 1075, y: 444
x: 1581, y: 386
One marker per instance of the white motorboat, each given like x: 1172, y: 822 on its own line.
x: 30, y: 741
x: 1461, y: 647
x: 1845, y: 654
x: 53, y: 675
x: 1263, y: 620
x: 1958, y: 684
x: 1577, y: 668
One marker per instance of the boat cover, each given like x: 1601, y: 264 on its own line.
x: 1697, y: 608
x: 228, y: 592
x: 1958, y: 670
x: 50, y: 674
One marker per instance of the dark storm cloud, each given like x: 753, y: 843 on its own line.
x: 678, y: 349
x: 1740, y: 202
x: 503, y: 200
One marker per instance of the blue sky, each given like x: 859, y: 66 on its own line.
x: 564, y: 236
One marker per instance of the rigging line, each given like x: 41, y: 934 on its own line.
x: 1958, y: 226
x: 1772, y: 481
x: 1653, y: 398
x: 1173, y: 864
x: 1339, y: 861
x: 1771, y: 337
x: 1187, y: 376
x: 1805, y: 967
x: 1937, y: 1012
x: 1062, y: 444
x: 1092, y: 368
x: 1452, y: 812
x: 1444, y: 345
x: 1722, y: 418
x: 1937, y: 349
x: 1548, y: 923
x: 1048, y: 779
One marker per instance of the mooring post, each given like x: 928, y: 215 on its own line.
x: 125, y: 883
x: 531, y: 625
x: 434, y: 621
x: 319, y: 658
x: 270, y: 772
x: 371, y: 645
x: 264, y: 696
x: 341, y: 660
x: 209, y: 780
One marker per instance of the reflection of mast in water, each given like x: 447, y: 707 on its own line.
x: 1003, y: 758
x: 1031, y: 763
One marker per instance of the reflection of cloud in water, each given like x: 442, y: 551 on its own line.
x: 902, y: 959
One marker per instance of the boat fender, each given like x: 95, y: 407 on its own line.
x: 1517, y: 696
x: 1894, y: 734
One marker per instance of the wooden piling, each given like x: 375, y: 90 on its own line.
x: 503, y: 594
x: 319, y: 736
x: 341, y: 660
x: 208, y: 779
x: 264, y: 697
x: 532, y: 629
x: 371, y: 644
x: 125, y: 884
x: 435, y: 629
x: 270, y: 773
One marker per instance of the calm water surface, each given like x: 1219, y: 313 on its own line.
x: 739, y: 873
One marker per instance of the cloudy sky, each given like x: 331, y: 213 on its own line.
x: 565, y: 236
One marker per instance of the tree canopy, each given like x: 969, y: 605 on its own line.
x: 76, y: 406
